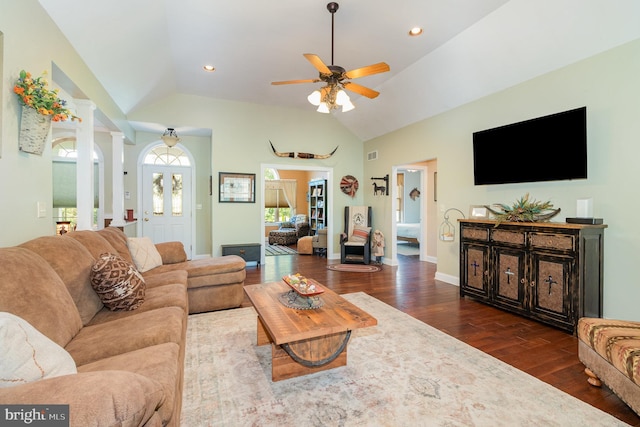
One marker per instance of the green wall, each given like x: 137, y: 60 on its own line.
x: 240, y: 143
x: 609, y: 86
x: 32, y: 42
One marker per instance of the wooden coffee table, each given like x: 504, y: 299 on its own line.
x: 304, y: 341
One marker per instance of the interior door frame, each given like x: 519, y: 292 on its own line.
x: 329, y: 171
x: 424, y: 182
x: 192, y: 165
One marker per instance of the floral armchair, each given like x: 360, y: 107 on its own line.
x: 290, y: 231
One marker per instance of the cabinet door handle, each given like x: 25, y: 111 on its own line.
x: 523, y: 281
x: 532, y: 284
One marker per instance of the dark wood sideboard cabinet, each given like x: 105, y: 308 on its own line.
x: 550, y: 272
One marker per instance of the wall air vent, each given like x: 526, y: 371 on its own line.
x: 373, y: 155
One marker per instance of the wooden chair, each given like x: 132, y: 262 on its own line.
x: 355, y: 242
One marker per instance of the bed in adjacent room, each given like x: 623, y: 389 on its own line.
x: 408, y: 232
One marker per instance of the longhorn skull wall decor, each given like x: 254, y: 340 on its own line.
x: 293, y: 154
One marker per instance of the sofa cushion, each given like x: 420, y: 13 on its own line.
x: 93, y: 241
x: 174, y: 295
x: 72, y: 261
x: 144, y: 253
x: 27, y: 355
x: 162, y: 362
x: 206, y: 267
x: 128, y: 333
x: 171, y: 252
x: 107, y: 398
x: 118, y: 240
x: 118, y: 284
x: 166, y: 278
x: 32, y: 290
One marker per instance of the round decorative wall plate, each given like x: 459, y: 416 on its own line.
x: 349, y: 185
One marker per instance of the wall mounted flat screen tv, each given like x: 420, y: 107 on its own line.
x: 549, y: 148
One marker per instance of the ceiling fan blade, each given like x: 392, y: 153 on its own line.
x: 289, y: 82
x: 317, y: 63
x: 380, y: 67
x: 359, y: 89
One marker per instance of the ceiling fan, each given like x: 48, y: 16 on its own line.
x: 331, y: 96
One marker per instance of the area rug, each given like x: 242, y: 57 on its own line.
x: 401, y: 372
x: 357, y: 268
x: 273, y: 250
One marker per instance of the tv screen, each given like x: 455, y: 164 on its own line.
x: 549, y: 148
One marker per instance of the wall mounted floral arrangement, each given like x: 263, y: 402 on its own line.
x: 40, y: 106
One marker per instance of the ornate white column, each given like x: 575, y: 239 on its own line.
x: 84, y: 146
x: 117, y: 148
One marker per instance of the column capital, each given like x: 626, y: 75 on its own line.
x: 86, y: 103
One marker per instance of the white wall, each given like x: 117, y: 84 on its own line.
x: 608, y: 85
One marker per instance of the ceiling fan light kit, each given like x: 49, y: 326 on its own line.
x: 332, y: 96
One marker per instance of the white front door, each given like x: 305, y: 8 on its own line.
x: 166, y: 204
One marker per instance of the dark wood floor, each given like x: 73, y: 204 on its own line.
x: 542, y: 351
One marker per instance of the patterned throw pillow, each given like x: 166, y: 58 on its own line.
x: 360, y: 234
x: 27, y: 355
x: 117, y: 283
x: 144, y: 253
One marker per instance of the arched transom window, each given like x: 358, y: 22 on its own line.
x: 163, y: 155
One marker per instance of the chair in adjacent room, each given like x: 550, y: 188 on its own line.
x: 319, y: 242
x: 355, y: 242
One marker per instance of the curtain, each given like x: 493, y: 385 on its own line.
x: 64, y: 185
x: 280, y: 192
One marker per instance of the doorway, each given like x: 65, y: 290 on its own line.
x: 409, y: 211
x: 414, y: 209
x: 166, y: 200
x: 328, y: 172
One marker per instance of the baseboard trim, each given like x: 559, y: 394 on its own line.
x: 447, y: 278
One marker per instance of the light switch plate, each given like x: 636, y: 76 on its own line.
x: 42, y: 210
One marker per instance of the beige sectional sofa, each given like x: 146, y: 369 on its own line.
x: 128, y: 364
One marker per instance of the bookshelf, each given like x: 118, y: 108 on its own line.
x: 317, y: 204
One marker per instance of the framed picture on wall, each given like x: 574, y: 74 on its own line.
x: 237, y: 187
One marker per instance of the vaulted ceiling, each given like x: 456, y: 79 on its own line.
x: 144, y: 50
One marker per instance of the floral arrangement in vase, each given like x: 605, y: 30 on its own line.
x: 33, y: 93
x: 524, y: 210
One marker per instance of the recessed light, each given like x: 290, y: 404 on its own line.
x: 209, y: 68
x: 415, y: 31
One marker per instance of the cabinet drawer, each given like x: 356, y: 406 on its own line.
x: 249, y: 251
x: 553, y: 241
x: 475, y: 233
x: 506, y: 236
